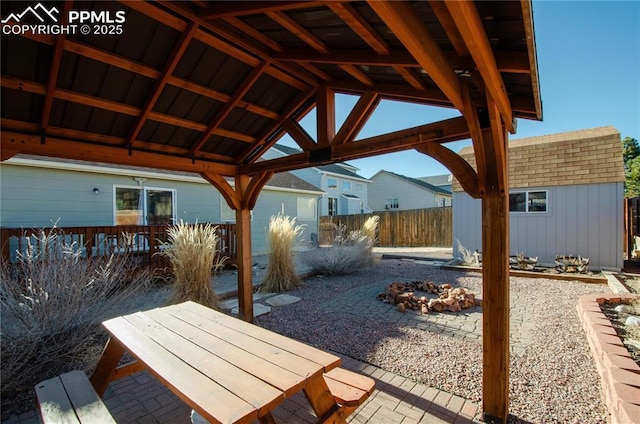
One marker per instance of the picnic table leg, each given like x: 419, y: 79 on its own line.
x: 106, y: 367
x: 323, y: 402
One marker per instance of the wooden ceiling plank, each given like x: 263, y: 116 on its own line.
x: 254, y: 33
x: 326, y: 116
x: 153, y: 11
x: 61, y: 148
x: 172, y: 62
x: 22, y: 85
x: 221, y: 9
x: 54, y: 69
x: 357, y: 118
x: 229, y: 106
x: 298, y: 134
x: 467, y: 19
x: 407, y: 26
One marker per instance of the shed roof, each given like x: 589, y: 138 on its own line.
x: 589, y: 156
x: 422, y: 184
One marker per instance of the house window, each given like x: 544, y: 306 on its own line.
x: 393, y: 203
x: 358, y: 187
x: 528, y: 201
x: 306, y: 208
x: 346, y: 186
x: 332, y: 183
x: 333, y: 206
x: 144, y: 206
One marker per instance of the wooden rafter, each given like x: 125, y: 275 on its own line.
x: 268, y: 137
x: 54, y: 69
x: 357, y: 74
x: 449, y: 130
x: 171, y: 64
x: 467, y: 19
x: 357, y: 118
x: 229, y: 106
x: 61, y: 148
x: 298, y: 30
x: 326, y: 116
x: 234, y: 8
x: 299, y: 135
x: 475, y: 130
x: 406, y: 25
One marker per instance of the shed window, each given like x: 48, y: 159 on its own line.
x: 528, y: 201
x: 392, y: 203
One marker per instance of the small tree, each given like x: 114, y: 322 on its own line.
x: 281, y: 275
x: 631, y: 156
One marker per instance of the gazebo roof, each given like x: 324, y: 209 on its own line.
x: 212, y: 85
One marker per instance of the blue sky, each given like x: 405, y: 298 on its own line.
x: 589, y: 68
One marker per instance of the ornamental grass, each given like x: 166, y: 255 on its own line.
x: 193, y: 253
x: 281, y: 275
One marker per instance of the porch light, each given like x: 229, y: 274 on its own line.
x: 96, y: 190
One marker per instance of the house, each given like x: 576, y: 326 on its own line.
x: 441, y: 181
x: 392, y: 191
x: 346, y: 192
x: 40, y: 192
x: 565, y: 198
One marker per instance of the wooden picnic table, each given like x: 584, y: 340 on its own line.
x: 226, y: 369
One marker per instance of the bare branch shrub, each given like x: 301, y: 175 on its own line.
x: 281, y: 275
x: 52, y: 302
x: 351, y: 251
x: 194, y: 256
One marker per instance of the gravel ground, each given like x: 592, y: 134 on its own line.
x: 554, y: 380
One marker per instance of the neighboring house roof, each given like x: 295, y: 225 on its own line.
x: 437, y: 180
x: 417, y: 182
x: 590, y: 156
x: 282, y: 180
x: 335, y: 168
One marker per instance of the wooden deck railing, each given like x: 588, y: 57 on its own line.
x: 142, y: 241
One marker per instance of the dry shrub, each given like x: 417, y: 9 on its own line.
x: 281, y: 275
x: 52, y: 303
x: 467, y: 257
x: 350, y: 251
x: 193, y: 253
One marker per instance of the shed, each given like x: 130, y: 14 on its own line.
x: 565, y: 198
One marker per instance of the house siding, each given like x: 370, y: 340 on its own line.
x: 41, y: 197
x: 410, y: 196
x: 582, y: 220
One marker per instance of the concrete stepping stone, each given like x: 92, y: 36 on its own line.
x: 282, y: 299
x: 258, y: 309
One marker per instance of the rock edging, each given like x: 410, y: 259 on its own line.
x: 619, y: 374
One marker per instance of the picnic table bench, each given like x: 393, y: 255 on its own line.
x: 225, y: 369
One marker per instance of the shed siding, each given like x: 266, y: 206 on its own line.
x: 581, y: 220
x: 42, y: 197
x: 410, y: 196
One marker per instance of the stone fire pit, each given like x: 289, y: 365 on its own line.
x: 448, y: 299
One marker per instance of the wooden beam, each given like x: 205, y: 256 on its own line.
x: 439, y: 132
x: 298, y: 30
x: 298, y: 134
x: 459, y: 167
x: 357, y: 74
x: 469, y: 24
x: 326, y: 116
x: 225, y: 189
x: 357, y: 118
x: 62, y: 148
x: 253, y: 189
x: 221, y: 9
x: 475, y: 130
x: 407, y: 26
x: 243, y: 250
x: 229, y: 106
x: 172, y: 62
x: 54, y: 69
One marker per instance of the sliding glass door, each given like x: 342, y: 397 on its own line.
x: 143, y: 206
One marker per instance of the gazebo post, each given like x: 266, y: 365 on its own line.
x: 245, y: 277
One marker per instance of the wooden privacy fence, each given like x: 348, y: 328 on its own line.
x: 414, y: 228
x: 631, y: 224
x: 141, y: 241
